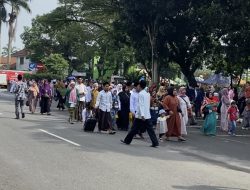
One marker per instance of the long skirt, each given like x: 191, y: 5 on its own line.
x: 174, y: 126
x: 104, y: 121
x: 79, y: 109
x: 224, y: 121
x: 61, y: 102
x: 209, y: 126
x: 32, y: 104
x: 123, y: 119
x: 45, y: 105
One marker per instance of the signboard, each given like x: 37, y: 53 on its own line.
x: 32, y: 66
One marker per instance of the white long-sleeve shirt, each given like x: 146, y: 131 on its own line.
x: 143, y: 108
x: 134, y: 98
x: 82, y: 89
x: 88, y: 94
x: 104, y: 101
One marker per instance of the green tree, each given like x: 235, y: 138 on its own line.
x: 170, y: 31
x: 232, y: 51
x: 56, y: 64
x: 85, y: 37
x: 16, y: 6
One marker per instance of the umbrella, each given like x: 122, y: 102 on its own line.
x: 217, y: 79
x: 71, y: 78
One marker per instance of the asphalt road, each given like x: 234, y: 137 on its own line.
x: 45, y: 152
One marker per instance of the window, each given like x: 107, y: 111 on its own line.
x: 21, y: 60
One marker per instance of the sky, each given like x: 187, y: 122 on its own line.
x: 38, y: 7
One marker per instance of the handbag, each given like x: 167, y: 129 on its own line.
x: 27, y: 103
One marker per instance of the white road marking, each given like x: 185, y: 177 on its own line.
x: 61, y: 138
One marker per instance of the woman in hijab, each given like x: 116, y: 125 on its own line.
x: 33, y: 93
x: 225, y: 103
x: 46, y: 95
x: 123, y: 113
x: 61, y: 91
x: 154, y: 107
x: 161, y: 94
x: 115, y: 106
x: 209, y: 125
x: 72, y: 98
x: 172, y: 105
x: 185, y: 106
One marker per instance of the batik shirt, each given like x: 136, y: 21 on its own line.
x: 19, y: 90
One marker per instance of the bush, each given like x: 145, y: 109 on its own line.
x: 40, y: 76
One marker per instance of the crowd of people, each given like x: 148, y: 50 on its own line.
x: 136, y: 108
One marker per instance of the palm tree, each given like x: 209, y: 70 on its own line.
x: 16, y: 6
x: 3, y: 16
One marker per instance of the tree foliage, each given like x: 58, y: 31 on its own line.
x: 164, y: 36
x: 56, y: 64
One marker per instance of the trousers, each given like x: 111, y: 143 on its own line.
x: 17, y: 104
x: 139, y: 123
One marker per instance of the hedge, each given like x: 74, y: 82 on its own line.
x: 40, y: 76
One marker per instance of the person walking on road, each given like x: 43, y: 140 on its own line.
x: 33, y: 94
x: 172, y: 105
x: 233, y: 114
x: 142, y: 118
x: 46, y: 97
x: 123, y: 113
x: 209, y: 126
x: 185, y: 107
x: 104, y: 104
x: 225, y: 103
x: 82, y: 90
x: 19, y: 89
x: 72, y: 100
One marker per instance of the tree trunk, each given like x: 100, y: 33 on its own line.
x: 155, y: 74
x: 10, y: 43
x: 189, y: 74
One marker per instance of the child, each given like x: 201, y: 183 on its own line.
x: 246, y: 116
x: 233, y: 113
x: 162, y: 124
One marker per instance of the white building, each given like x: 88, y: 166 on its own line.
x: 22, y: 62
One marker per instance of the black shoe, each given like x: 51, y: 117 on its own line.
x: 123, y: 142
x: 154, y: 146
x: 17, y: 117
x: 23, y: 115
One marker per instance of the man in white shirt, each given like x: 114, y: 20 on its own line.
x: 89, y: 92
x: 134, y: 99
x: 82, y: 93
x: 142, y: 118
x: 104, y: 104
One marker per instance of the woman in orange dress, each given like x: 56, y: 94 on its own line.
x: 172, y: 106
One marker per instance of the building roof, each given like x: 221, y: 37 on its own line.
x: 21, y: 53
